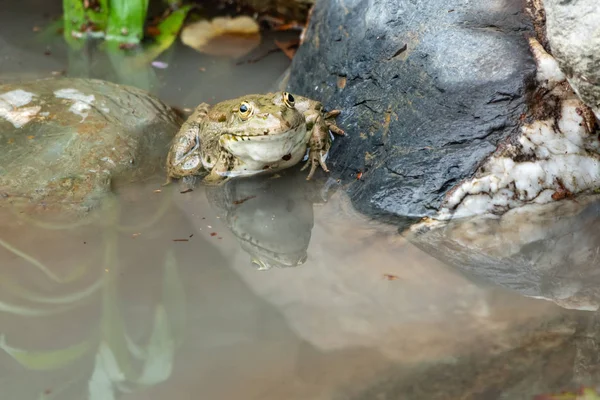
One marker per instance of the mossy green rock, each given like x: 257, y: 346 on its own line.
x: 64, y: 142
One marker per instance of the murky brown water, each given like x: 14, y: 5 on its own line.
x: 155, y: 296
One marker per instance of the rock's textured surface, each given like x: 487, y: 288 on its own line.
x: 64, y: 141
x: 428, y: 89
x: 574, y: 37
x: 555, y: 155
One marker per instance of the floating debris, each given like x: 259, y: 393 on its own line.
x: 236, y: 202
x: 159, y: 64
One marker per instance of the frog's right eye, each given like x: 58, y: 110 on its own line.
x: 245, y: 110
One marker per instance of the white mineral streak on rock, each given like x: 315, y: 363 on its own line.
x: 82, y: 103
x: 551, y: 155
x: 12, y: 110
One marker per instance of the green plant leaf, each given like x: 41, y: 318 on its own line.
x: 168, y: 31
x: 78, y: 19
x: 126, y: 20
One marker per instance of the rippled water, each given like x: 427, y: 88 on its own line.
x: 155, y: 296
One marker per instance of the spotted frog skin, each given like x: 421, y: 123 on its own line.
x: 252, y: 134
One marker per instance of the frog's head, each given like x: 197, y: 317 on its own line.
x: 263, y: 128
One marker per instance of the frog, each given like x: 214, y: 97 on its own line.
x: 250, y: 135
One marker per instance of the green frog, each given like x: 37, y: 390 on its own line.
x: 252, y: 134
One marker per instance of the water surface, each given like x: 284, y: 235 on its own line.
x: 155, y: 296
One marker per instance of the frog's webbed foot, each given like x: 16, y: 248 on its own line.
x: 320, y: 142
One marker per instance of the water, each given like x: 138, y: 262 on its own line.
x: 155, y: 295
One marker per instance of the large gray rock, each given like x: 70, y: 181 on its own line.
x: 428, y: 89
x: 574, y: 37
x: 65, y: 141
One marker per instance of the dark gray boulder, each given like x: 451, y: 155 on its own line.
x: 66, y: 142
x: 428, y: 89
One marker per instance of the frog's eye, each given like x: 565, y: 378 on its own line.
x: 245, y: 110
x: 288, y: 99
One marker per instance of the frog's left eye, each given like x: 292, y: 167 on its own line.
x: 288, y: 99
x: 245, y: 110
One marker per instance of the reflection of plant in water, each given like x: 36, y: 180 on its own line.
x: 120, y: 364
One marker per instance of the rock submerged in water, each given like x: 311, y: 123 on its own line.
x: 547, y: 251
x: 65, y: 141
x: 446, y: 113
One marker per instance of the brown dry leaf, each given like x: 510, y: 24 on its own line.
x: 223, y: 36
x: 391, y: 277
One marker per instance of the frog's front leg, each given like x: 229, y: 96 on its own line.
x: 218, y: 173
x: 183, y: 158
x: 320, y: 142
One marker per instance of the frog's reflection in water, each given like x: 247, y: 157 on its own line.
x: 270, y: 216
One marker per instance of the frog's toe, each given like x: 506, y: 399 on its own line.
x: 315, y: 160
x: 335, y: 129
x: 313, y: 169
x: 332, y: 114
x: 322, y: 162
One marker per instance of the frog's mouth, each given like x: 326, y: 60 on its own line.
x: 265, y: 148
x: 266, y: 136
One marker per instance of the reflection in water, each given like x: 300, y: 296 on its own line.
x: 144, y: 293
x: 544, y: 251
x: 271, y: 218
x: 120, y: 363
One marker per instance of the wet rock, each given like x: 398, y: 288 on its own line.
x: 574, y: 38
x: 528, y: 250
x: 65, y: 142
x: 428, y: 89
x: 554, y: 156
